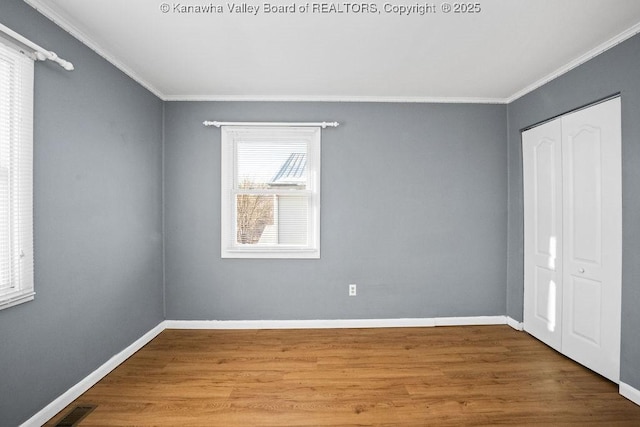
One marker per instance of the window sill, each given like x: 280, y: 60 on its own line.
x: 272, y: 253
x: 15, y: 300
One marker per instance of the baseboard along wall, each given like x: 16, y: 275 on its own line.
x: 335, y: 323
x: 630, y: 393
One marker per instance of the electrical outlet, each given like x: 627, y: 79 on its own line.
x: 352, y: 290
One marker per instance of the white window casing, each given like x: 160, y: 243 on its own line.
x: 270, y: 192
x: 16, y: 177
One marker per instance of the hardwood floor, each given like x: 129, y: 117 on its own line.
x: 443, y: 376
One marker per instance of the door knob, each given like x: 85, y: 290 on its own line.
x: 581, y: 270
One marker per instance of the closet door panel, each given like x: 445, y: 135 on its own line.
x: 592, y: 237
x: 583, y: 179
x: 586, y: 309
x: 542, y: 175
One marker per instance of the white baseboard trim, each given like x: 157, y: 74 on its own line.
x: 518, y: 326
x: 633, y: 394
x: 470, y: 321
x: 76, y: 391
x: 334, y: 323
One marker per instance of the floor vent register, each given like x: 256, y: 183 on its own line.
x: 76, y: 415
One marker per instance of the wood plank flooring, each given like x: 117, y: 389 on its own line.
x: 443, y: 376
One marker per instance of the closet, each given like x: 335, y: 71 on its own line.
x: 573, y: 235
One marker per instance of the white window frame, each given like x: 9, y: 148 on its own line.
x: 230, y: 135
x: 16, y: 127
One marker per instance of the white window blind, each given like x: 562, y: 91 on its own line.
x: 270, y: 192
x: 16, y: 177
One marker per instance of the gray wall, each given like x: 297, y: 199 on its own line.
x: 98, y: 228
x: 617, y: 70
x: 415, y: 198
x: 413, y: 211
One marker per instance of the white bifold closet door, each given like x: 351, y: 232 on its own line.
x: 573, y: 235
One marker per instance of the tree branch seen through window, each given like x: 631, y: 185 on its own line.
x: 254, y: 212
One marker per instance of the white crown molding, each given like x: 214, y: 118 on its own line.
x: 53, y: 408
x: 64, y: 23
x: 328, y: 98
x: 614, y: 41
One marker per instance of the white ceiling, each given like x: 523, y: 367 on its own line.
x: 507, y: 49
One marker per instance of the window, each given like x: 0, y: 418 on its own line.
x: 16, y: 177
x: 270, y: 192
